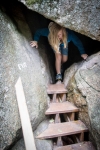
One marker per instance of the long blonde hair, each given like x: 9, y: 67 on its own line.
x: 52, y: 37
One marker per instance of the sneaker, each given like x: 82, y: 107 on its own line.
x: 58, y: 77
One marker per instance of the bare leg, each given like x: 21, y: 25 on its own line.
x: 58, y: 57
x: 64, y: 58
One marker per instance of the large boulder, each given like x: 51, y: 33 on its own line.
x: 19, y: 145
x: 81, y: 16
x: 83, y: 83
x: 43, y: 144
x: 18, y: 59
x: 40, y: 144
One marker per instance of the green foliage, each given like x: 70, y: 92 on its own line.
x: 30, y: 2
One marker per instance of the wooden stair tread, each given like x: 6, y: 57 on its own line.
x: 56, y: 88
x: 78, y: 146
x: 65, y: 107
x: 63, y: 129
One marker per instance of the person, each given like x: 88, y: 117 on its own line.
x: 58, y: 38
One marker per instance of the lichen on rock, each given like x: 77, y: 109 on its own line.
x: 30, y: 2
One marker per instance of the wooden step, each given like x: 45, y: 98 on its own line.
x: 65, y: 107
x: 78, y: 146
x: 56, y: 88
x: 63, y: 129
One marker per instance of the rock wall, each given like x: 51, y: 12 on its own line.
x: 81, y: 16
x: 18, y: 59
x: 83, y: 83
x: 40, y: 144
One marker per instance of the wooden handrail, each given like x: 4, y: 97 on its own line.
x: 24, y: 116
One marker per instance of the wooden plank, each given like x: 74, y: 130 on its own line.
x: 63, y: 129
x: 69, y: 116
x: 81, y: 136
x: 54, y: 99
x: 59, y: 141
x: 65, y: 107
x: 79, y: 146
x: 56, y: 88
x: 76, y: 139
x: 66, y: 117
x: 62, y: 97
x: 24, y: 115
x: 57, y: 118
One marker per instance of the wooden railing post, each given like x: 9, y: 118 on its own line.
x: 24, y: 116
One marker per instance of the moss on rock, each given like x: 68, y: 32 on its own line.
x: 30, y: 2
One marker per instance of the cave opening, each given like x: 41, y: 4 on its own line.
x: 91, y: 46
x: 35, y: 21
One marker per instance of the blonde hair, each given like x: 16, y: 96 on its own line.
x: 52, y: 37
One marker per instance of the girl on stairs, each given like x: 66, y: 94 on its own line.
x: 58, y: 38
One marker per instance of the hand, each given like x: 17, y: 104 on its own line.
x: 34, y: 44
x: 84, y: 56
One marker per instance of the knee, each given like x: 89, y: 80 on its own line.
x: 64, y: 59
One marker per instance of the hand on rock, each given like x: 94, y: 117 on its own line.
x: 84, y: 56
x: 34, y: 44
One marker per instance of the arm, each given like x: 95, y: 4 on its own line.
x: 79, y: 44
x: 41, y: 32
x: 38, y: 33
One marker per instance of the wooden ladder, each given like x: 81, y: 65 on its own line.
x: 59, y: 129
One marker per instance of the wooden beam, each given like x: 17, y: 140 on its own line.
x: 64, y: 107
x: 81, y: 136
x: 57, y: 118
x: 56, y: 88
x: 59, y: 141
x: 63, y: 129
x: 78, y: 146
x: 62, y: 97
x: 24, y: 116
x: 54, y: 98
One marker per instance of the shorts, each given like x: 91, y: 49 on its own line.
x: 63, y: 51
